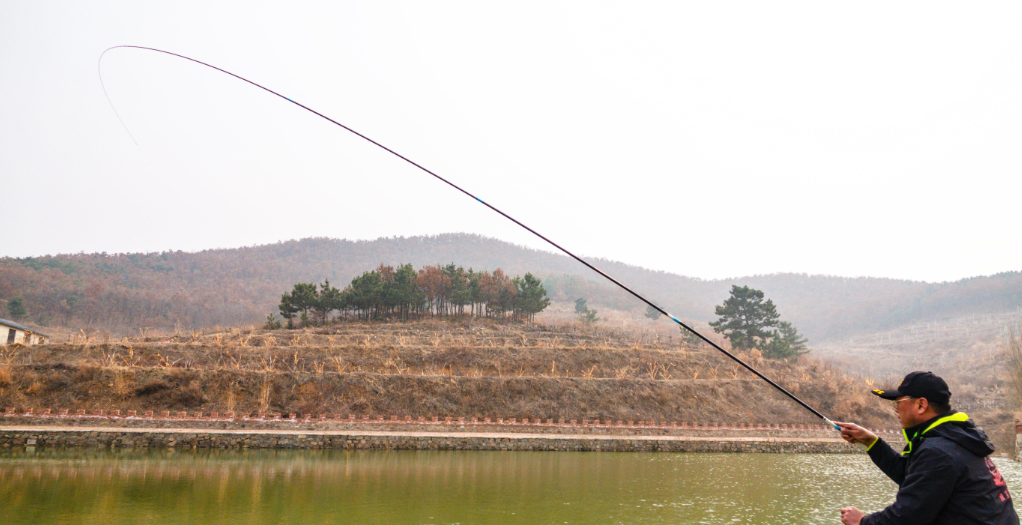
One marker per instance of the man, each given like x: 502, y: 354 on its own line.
x: 944, y: 474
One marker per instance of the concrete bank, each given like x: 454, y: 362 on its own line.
x: 301, y: 426
x: 296, y: 424
x: 125, y: 437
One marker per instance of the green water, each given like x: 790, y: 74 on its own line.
x: 260, y: 487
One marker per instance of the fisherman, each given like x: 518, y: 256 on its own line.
x: 945, y: 474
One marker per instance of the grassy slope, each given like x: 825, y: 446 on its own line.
x: 971, y: 358
x: 430, y: 368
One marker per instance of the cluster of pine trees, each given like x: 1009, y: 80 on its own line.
x: 404, y: 293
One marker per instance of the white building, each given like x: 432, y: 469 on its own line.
x: 13, y: 333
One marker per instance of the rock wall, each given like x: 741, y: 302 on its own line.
x: 191, y: 438
x: 353, y: 422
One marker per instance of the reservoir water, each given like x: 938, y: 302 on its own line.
x: 426, y: 487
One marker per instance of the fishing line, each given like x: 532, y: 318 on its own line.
x: 480, y: 201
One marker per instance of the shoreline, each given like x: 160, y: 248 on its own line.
x: 58, y: 436
x: 296, y: 422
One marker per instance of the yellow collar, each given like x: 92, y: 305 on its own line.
x: 956, y: 417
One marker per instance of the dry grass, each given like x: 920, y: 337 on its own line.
x: 1014, y: 360
x: 439, y: 368
x: 978, y: 368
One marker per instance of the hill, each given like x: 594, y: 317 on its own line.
x: 122, y: 292
x: 429, y: 368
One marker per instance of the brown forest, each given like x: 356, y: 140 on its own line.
x: 178, y: 290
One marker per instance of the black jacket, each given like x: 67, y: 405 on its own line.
x: 945, y: 477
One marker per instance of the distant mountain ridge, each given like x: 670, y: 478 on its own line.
x: 242, y: 285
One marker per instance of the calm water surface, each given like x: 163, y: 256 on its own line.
x: 261, y: 487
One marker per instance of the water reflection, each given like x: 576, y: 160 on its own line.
x: 431, y: 487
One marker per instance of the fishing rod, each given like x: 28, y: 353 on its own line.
x: 477, y: 199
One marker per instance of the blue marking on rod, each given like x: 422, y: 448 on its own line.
x: 480, y: 200
x: 675, y: 319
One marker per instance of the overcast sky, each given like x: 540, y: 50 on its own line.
x: 709, y: 139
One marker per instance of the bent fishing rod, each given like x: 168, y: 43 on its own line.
x: 477, y: 199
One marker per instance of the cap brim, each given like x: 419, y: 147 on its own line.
x: 888, y: 394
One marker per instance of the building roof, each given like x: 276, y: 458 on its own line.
x: 12, y: 324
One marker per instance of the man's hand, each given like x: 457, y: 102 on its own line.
x: 851, y: 515
x: 853, y: 433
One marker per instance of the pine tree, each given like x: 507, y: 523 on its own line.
x: 16, y: 308
x: 746, y: 318
x: 364, y: 293
x: 327, y: 300
x: 532, y: 297
x: 461, y: 292
x: 584, y: 313
x: 408, y: 294
x: 652, y: 314
x: 288, y: 309
x: 272, y: 323
x: 302, y: 298
x: 786, y: 343
x: 305, y: 297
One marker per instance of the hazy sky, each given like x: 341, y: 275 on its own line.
x: 710, y: 139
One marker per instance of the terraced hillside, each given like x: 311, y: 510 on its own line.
x: 427, y: 369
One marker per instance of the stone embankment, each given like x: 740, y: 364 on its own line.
x: 107, y: 437
x: 214, y: 420
x: 197, y: 430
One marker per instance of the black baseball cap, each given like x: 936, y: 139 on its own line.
x: 920, y: 384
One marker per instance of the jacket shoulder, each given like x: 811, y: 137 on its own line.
x: 942, y: 449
